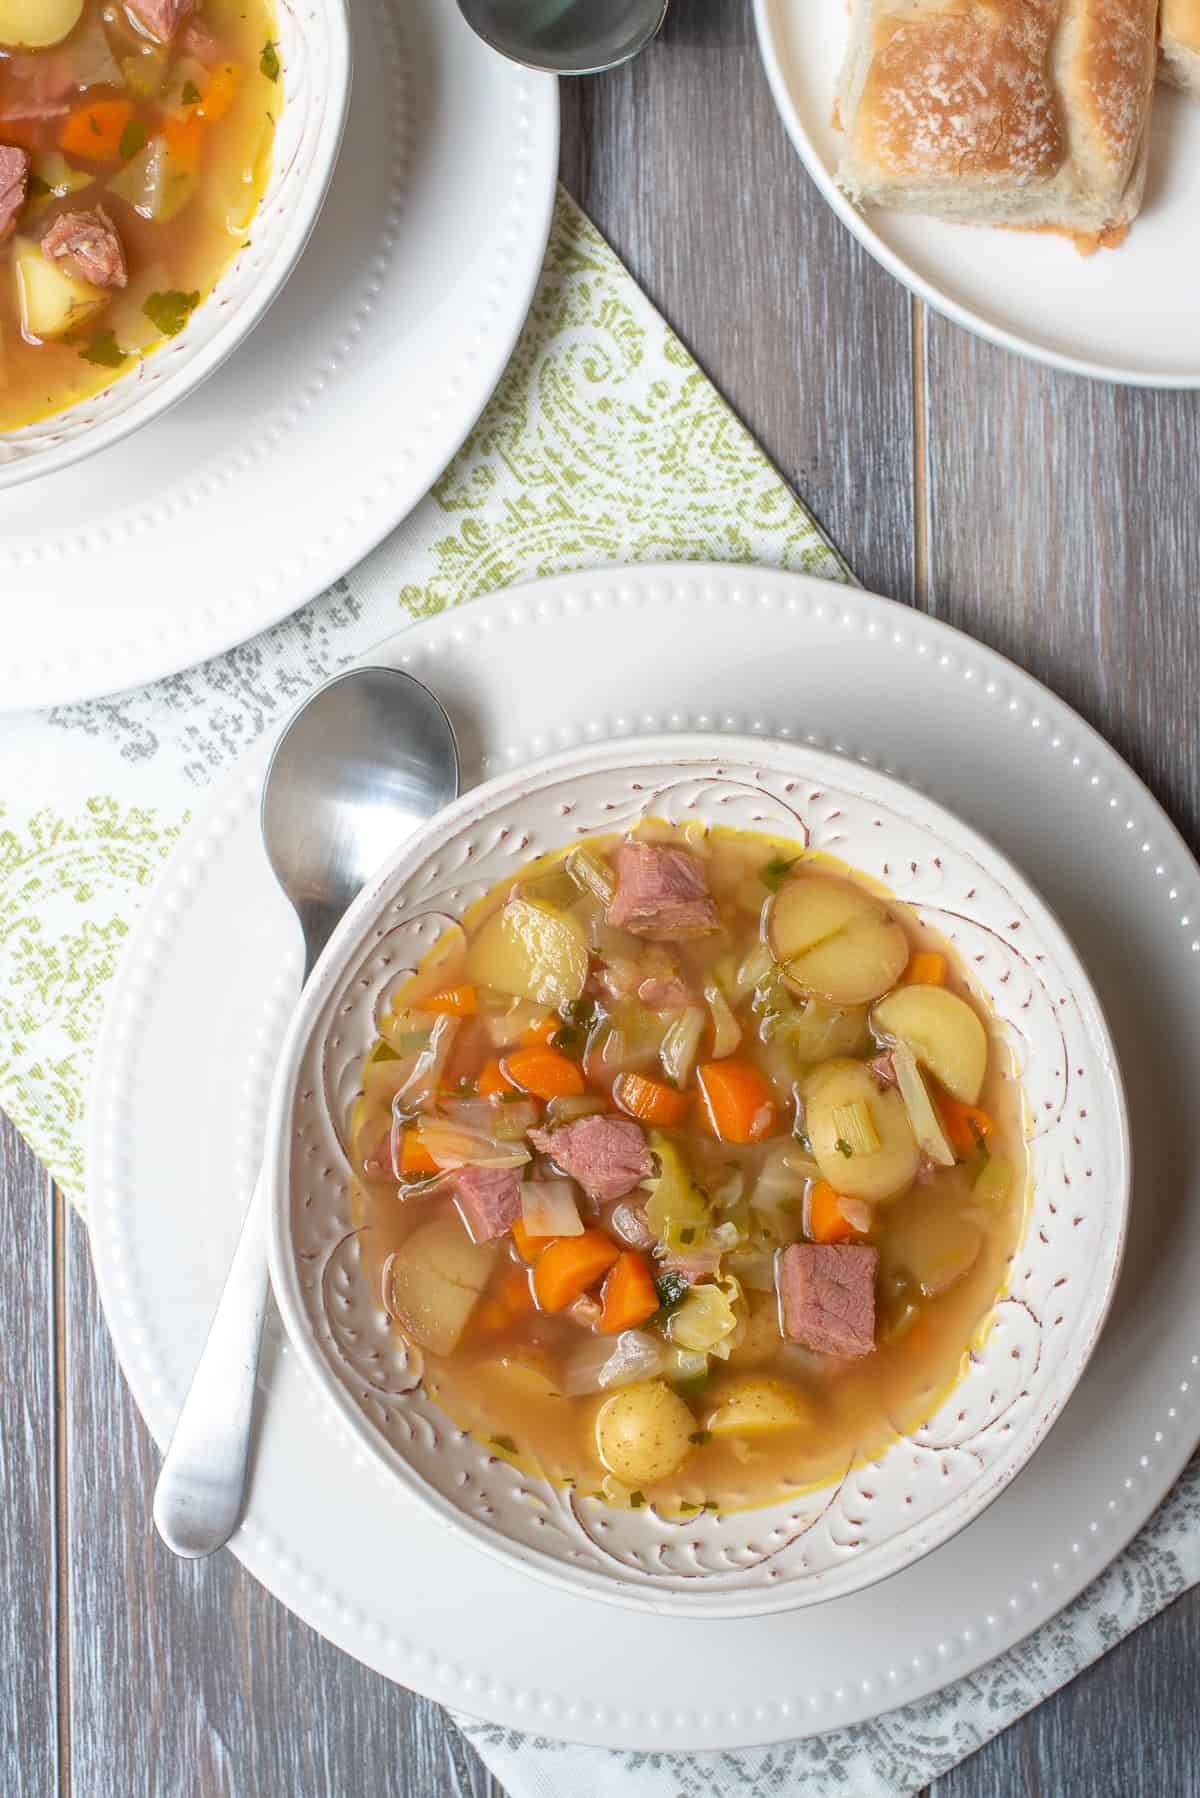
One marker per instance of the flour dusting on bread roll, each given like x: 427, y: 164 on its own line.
x: 1179, y: 31
x: 1006, y: 112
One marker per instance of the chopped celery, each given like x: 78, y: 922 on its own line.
x: 854, y: 1126
x: 681, y: 1043
x: 677, y: 1210
x: 919, y: 1106
x: 591, y: 874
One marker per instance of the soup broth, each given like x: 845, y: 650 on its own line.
x: 135, y: 144
x: 692, y: 1165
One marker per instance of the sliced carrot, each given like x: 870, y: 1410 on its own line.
x: 544, y: 1073
x: 415, y: 1157
x: 966, y: 1125
x: 183, y: 142
x: 541, y: 1034
x: 823, y: 1219
x: 650, y: 1100
x: 568, y: 1265
x: 452, y: 1002
x: 220, y: 91
x: 925, y: 969
x: 529, y: 1247
x: 94, y: 132
x: 493, y: 1083
x: 739, y: 1102
x: 629, y: 1295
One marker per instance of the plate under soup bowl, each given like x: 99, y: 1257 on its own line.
x: 879, y: 1511
x: 304, y: 71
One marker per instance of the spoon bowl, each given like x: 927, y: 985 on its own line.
x: 566, y: 37
x: 365, y: 760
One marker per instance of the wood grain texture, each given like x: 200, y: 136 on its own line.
x: 188, y: 1680
x: 682, y: 162
x: 28, y: 1607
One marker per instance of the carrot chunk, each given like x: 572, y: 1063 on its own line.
x: 649, y: 1100
x: 183, y: 141
x: 415, y: 1157
x: 629, y: 1295
x: 739, y: 1102
x: 967, y: 1127
x: 94, y: 132
x: 544, y: 1073
x: 823, y: 1218
x: 452, y: 1002
x: 493, y: 1083
x: 541, y: 1034
x: 220, y: 91
x: 569, y: 1265
x: 925, y: 969
x: 529, y: 1247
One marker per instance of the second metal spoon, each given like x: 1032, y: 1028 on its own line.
x: 365, y: 760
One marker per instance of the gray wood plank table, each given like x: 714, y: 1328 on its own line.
x: 1054, y: 519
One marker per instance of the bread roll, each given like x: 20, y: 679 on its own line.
x: 1005, y: 112
x: 1179, y: 33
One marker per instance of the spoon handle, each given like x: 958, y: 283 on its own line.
x: 198, y: 1499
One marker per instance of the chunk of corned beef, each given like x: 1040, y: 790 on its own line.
x: 661, y: 892
x: 666, y: 992
x: 40, y: 85
x: 827, y: 1293
x: 88, y: 243
x: 608, y: 1156
x: 14, y: 183
x: 160, y: 19
x: 488, y: 1199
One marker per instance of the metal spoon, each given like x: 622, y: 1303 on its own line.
x: 566, y: 37
x: 366, y: 759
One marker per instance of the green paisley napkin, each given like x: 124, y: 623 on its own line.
x: 603, y: 443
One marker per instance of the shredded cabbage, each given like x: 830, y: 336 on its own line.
x: 681, y: 1043
x: 453, y: 1145
x: 599, y: 1364
x: 708, y: 1317
x: 548, y: 1208
x: 677, y: 1209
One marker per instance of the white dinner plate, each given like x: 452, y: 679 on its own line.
x: 339, y: 412
x: 1121, y: 315
x: 185, y: 1058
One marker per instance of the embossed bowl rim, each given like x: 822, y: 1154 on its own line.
x: 329, y: 81
x: 675, y: 753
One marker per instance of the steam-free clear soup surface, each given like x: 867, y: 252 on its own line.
x: 643, y: 1353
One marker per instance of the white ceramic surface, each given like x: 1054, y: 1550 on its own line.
x: 329, y: 424
x: 524, y: 673
x: 873, y: 1519
x: 314, y: 50
x: 1121, y: 315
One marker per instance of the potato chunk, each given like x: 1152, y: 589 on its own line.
x: 532, y: 952
x: 931, y: 1243
x: 52, y: 301
x: 36, y: 24
x: 437, y: 1276
x: 878, y: 1173
x: 943, y: 1033
x: 757, y: 1407
x: 835, y: 940
x: 642, y: 1433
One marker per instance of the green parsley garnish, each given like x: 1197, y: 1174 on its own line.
x: 94, y: 123
x: 104, y: 350
x: 133, y: 139
x: 268, y: 62
x: 686, y: 1506
x: 789, y: 1206
x: 700, y: 1437
x: 775, y: 872
x: 980, y: 1138
x: 636, y: 1500
x: 504, y: 1442
x: 843, y: 1148
x: 189, y: 94
x: 710, y: 1505
x: 688, y: 1235
x: 169, y: 312
x: 672, y: 1289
